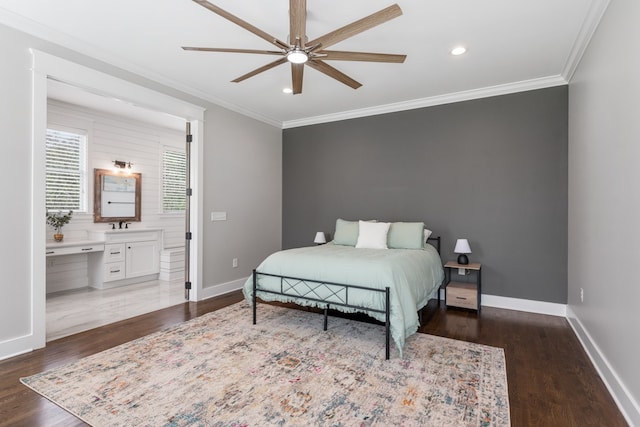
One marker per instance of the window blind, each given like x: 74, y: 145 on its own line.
x: 174, y: 178
x: 65, y: 170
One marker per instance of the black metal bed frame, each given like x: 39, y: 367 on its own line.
x: 309, y: 290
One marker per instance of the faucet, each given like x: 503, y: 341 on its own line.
x: 120, y: 224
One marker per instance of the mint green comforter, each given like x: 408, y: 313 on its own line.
x: 413, y: 277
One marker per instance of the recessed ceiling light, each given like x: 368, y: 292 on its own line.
x: 287, y: 90
x: 458, y: 50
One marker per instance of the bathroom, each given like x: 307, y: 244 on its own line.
x: 111, y: 266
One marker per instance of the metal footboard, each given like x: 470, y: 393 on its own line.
x: 311, y: 290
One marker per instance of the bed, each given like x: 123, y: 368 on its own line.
x: 390, y: 285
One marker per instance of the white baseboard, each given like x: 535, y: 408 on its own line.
x: 628, y: 406
x: 531, y: 306
x: 222, y: 288
x: 16, y: 346
x: 518, y: 304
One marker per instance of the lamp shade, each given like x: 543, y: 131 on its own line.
x: 320, y: 238
x: 462, y: 247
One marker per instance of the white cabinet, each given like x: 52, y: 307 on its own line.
x: 143, y: 258
x: 130, y: 256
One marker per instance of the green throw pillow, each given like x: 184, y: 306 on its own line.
x: 346, y: 232
x: 406, y: 235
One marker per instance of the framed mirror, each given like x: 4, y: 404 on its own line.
x: 116, y: 196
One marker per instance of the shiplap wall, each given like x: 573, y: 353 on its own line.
x: 112, y: 137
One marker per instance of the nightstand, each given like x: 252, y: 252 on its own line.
x: 463, y: 294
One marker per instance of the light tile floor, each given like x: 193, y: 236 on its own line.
x: 70, y: 312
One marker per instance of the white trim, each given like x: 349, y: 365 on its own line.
x: 15, y: 346
x: 449, y: 98
x: 587, y: 30
x: 113, y: 87
x: 531, y: 306
x: 38, y: 209
x: 223, y: 288
x: 628, y: 406
x: 46, y: 66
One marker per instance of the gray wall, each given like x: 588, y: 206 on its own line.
x: 491, y: 170
x: 604, y: 205
x: 243, y: 177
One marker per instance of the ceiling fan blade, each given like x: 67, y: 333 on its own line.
x: 327, y: 69
x: 336, y: 55
x: 297, y: 71
x: 216, y: 49
x: 260, y: 70
x: 298, y: 22
x: 358, y: 26
x: 244, y: 24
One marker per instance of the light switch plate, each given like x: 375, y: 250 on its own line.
x: 218, y: 216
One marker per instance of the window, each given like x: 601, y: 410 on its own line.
x: 174, y: 180
x: 66, y: 170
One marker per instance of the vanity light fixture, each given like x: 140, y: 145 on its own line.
x: 121, y: 166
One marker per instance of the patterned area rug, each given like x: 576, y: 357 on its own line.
x: 220, y: 370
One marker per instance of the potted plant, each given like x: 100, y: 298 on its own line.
x: 57, y: 220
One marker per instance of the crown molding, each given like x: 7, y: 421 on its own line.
x: 587, y: 30
x: 449, y: 98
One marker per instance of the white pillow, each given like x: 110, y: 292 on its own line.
x: 427, y: 234
x: 372, y: 235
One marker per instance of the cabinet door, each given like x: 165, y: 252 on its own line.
x: 143, y: 258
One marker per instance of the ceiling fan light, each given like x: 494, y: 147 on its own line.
x: 297, y: 56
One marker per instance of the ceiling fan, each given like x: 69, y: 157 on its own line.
x: 300, y: 52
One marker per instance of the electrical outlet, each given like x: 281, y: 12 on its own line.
x: 581, y: 295
x: 235, y: 263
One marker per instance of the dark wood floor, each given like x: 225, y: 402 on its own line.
x: 551, y: 380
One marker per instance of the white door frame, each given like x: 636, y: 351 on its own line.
x: 46, y: 66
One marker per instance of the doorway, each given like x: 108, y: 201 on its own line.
x: 47, y: 68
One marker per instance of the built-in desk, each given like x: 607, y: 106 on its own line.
x: 74, y: 247
x: 67, y: 253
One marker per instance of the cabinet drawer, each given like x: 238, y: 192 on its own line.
x: 74, y: 250
x: 114, y: 253
x: 463, y: 295
x: 114, y: 271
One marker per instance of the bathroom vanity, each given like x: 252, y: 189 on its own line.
x: 116, y: 257
x: 130, y: 256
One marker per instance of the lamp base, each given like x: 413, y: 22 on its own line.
x: 462, y: 259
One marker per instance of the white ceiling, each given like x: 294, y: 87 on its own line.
x: 512, y: 45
